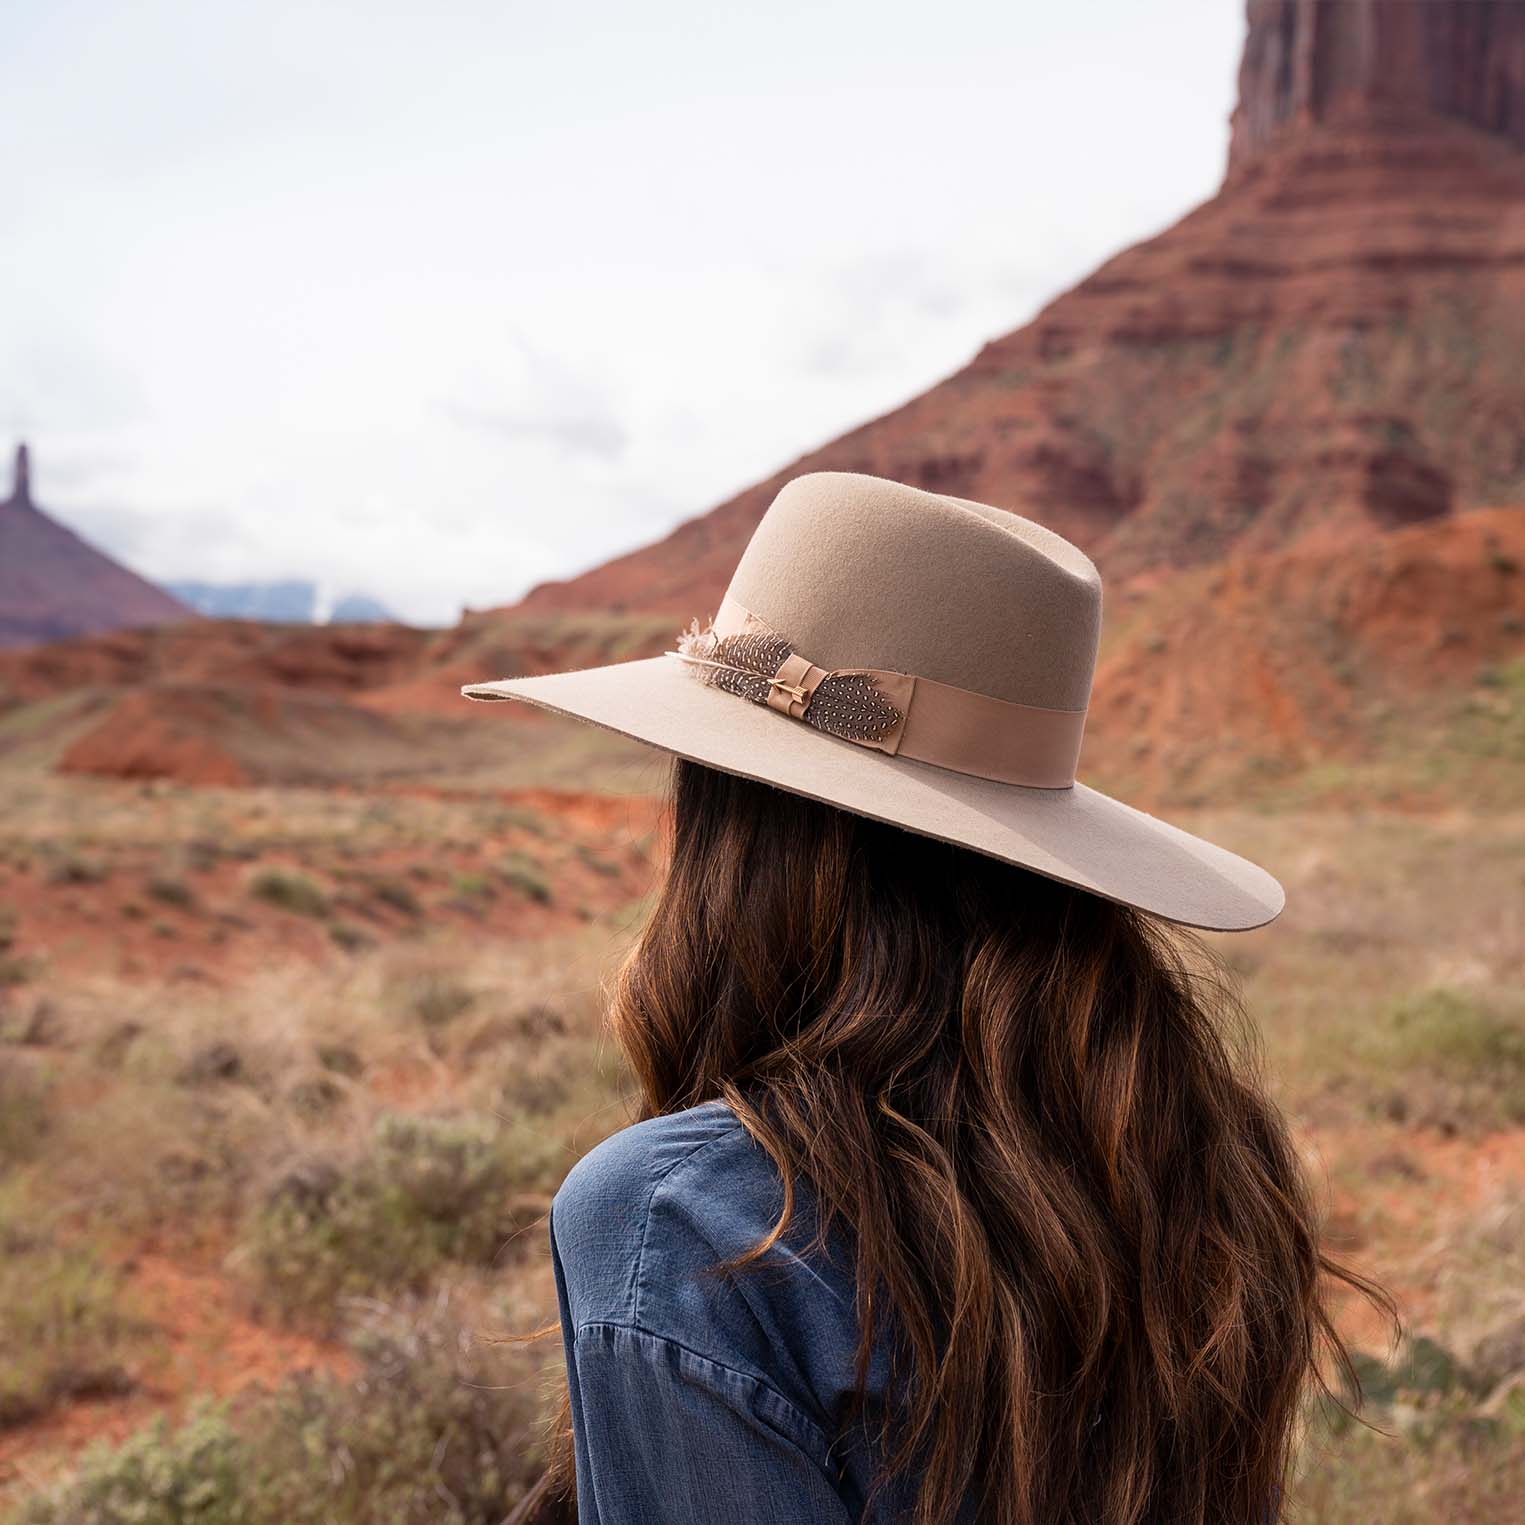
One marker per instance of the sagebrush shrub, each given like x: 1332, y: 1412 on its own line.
x: 66, y: 1330
x: 436, y: 1428
x: 427, y: 1190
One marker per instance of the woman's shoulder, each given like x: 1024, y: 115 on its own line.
x: 631, y: 1162
x: 656, y: 1203
x: 642, y: 1230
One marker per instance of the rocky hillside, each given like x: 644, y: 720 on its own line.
x: 1291, y: 428
x: 1327, y: 347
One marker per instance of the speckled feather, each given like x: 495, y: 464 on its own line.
x: 848, y: 705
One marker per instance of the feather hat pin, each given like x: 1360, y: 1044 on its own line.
x: 747, y: 664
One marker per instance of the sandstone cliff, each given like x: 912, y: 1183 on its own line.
x: 1329, y: 346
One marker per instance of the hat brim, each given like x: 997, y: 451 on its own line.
x: 1077, y: 836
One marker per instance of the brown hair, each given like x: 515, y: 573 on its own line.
x: 1079, y: 1221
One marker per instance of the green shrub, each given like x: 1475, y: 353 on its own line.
x: 211, y: 1062
x: 168, y: 890
x: 73, y: 869
x: 434, y: 1429
x: 15, y: 970
x: 597, y: 862
x: 201, y: 854
x: 1459, y: 1037
x: 1431, y: 1444
x: 314, y: 1095
x: 1423, y: 1372
x: 397, y: 894
x: 23, y: 1111
x: 194, y: 1475
x: 340, y: 1058
x: 526, y: 820
x: 1453, y: 1467
x: 1450, y: 1060
x: 520, y: 872
x: 426, y: 1191
x: 63, y: 1326
x: 437, y: 1430
x: 351, y: 938
x: 436, y: 998
x: 38, y: 1027
x: 288, y: 890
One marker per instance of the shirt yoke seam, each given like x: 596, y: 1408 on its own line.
x: 637, y: 1283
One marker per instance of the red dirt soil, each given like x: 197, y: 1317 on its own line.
x: 1289, y: 660
x: 233, y: 653
x: 221, y: 933
x: 1284, y: 655
x: 1446, y: 1183
x: 210, y: 1348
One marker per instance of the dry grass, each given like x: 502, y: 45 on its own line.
x: 298, y: 1129
x: 435, y: 1428
x: 199, y: 1097
x: 390, y: 1125
x: 67, y: 1329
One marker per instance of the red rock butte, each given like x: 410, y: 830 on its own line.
x: 1328, y: 347
x: 1291, y: 428
x: 53, y: 584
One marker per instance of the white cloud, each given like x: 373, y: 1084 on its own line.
x: 541, y: 400
x: 441, y: 302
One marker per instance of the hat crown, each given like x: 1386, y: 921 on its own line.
x: 858, y: 571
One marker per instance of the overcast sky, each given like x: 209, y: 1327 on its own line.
x: 438, y: 300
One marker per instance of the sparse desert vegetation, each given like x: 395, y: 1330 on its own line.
x: 357, y: 1156
x: 67, y: 1328
x: 270, y: 1190
x: 432, y: 1427
x: 283, y: 1099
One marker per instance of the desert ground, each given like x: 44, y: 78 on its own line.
x: 288, y: 1075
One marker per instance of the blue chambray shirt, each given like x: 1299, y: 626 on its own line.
x: 699, y: 1397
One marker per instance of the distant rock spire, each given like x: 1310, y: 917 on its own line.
x: 21, y: 482
x: 1306, y: 61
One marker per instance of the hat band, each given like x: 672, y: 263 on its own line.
x: 894, y: 712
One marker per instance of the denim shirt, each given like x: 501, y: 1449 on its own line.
x: 700, y: 1397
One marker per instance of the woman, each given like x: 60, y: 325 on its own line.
x: 952, y: 1199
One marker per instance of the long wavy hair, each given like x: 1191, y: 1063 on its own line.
x: 1078, y: 1220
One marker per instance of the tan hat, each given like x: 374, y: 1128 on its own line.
x: 921, y: 660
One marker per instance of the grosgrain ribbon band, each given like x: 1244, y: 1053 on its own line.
x: 948, y: 727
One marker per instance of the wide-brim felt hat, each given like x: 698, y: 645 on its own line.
x: 920, y: 660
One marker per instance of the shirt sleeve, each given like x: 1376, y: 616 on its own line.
x: 665, y: 1436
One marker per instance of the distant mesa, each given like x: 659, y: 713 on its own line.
x: 54, y: 584
x: 1329, y: 347
x: 288, y: 601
